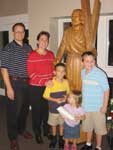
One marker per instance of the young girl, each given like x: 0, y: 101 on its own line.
x: 72, y: 127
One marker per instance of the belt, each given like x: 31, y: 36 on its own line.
x: 24, y: 80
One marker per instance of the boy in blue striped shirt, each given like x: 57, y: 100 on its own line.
x: 95, y: 90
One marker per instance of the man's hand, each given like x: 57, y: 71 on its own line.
x: 10, y: 93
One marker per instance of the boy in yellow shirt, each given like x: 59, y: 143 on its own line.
x: 56, y: 95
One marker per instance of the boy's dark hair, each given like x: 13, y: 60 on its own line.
x: 43, y: 33
x: 60, y: 65
x: 18, y: 24
x: 88, y: 53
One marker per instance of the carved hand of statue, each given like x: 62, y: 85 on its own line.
x: 56, y: 61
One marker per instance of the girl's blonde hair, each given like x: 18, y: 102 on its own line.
x: 77, y: 97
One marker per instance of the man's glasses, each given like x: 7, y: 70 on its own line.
x: 19, y: 32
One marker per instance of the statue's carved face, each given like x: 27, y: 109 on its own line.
x: 77, y: 17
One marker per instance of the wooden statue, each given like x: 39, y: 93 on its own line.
x: 77, y: 39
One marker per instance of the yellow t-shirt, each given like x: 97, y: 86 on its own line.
x: 58, y: 90
x: 57, y: 87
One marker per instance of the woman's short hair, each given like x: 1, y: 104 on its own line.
x: 43, y: 33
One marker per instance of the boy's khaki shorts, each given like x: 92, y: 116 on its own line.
x: 95, y: 121
x: 55, y: 119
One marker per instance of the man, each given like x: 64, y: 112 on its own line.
x: 14, y: 71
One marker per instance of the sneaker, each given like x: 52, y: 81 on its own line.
x: 66, y: 147
x: 73, y: 147
x: 86, y: 147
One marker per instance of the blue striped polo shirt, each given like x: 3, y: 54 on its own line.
x: 14, y: 58
x: 94, y: 84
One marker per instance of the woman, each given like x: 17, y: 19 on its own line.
x: 40, y: 70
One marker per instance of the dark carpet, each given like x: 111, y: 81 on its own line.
x: 29, y: 144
